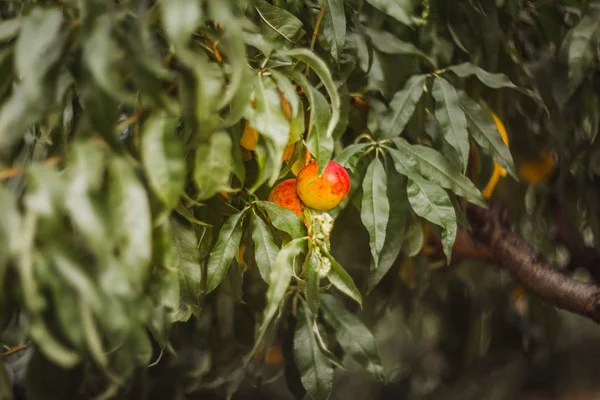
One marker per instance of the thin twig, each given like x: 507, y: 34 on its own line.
x: 14, y: 350
x: 316, y: 31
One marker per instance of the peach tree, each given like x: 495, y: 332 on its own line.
x: 144, y: 255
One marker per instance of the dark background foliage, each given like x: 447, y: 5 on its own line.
x: 139, y: 257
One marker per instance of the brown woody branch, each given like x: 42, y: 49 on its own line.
x: 510, y: 252
x: 492, y: 240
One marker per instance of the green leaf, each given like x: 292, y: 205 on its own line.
x: 401, y: 10
x: 494, y: 81
x: 270, y: 122
x: 180, y: 18
x: 316, y: 371
x: 581, y: 46
x: 290, y: 94
x: 343, y: 281
x: 279, y: 280
x: 431, y: 202
x: 484, y: 131
x: 224, y: 251
x: 9, y: 28
x: 214, y: 165
x: 6, y: 385
x: 432, y: 164
x: 163, y: 158
x: 353, y: 336
x: 402, y: 107
x: 311, y: 292
x: 318, y: 142
x: 348, y: 158
x: 334, y: 27
x: 283, y: 219
x: 395, y: 232
x: 39, y: 48
x: 281, y: 21
x: 375, y: 207
x: 265, y: 250
x: 319, y: 66
x: 131, y: 225
x: 10, y: 217
x: 451, y: 118
x: 189, y: 270
x: 387, y: 43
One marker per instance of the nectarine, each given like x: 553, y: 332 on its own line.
x: 284, y: 195
x: 326, y: 191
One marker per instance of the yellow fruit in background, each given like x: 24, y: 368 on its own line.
x: 539, y: 169
x: 498, y: 171
x: 288, y: 152
x: 249, y: 137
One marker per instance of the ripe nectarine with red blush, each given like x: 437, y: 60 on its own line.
x: 284, y: 195
x: 326, y: 191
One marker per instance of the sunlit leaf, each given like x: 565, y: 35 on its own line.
x: 163, y: 158
x: 131, y: 226
x: 180, y: 19
x: 280, y: 21
x: 319, y: 144
x: 214, y: 165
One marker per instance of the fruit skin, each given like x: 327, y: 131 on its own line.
x: 325, y: 192
x: 284, y: 195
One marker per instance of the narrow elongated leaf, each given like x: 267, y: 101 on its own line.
x: 268, y: 119
x: 213, y: 166
x: 318, y: 142
x: 402, y: 107
x: 163, y: 158
x: 581, y: 45
x: 131, y: 226
x: 9, y: 28
x: 334, y: 27
x: 354, y: 337
x: 180, y: 19
x: 10, y: 218
x: 312, y: 283
x: 324, y: 74
x: 451, y: 118
x: 280, y: 20
x: 432, y: 164
x: 494, y: 81
x: 289, y: 92
x: 389, y: 44
x: 375, y: 207
x: 283, y: 219
x: 224, y: 251
x: 343, y: 281
x: 401, y: 10
x: 279, y: 280
x: 265, y: 251
x: 431, y: 202
x: 395, y: 228
x: 350, y: 155
x: 189, y: 271
x: 484, y: 131
x: 316, y: 371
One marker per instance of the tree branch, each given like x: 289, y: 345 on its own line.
x: 513, y: 254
